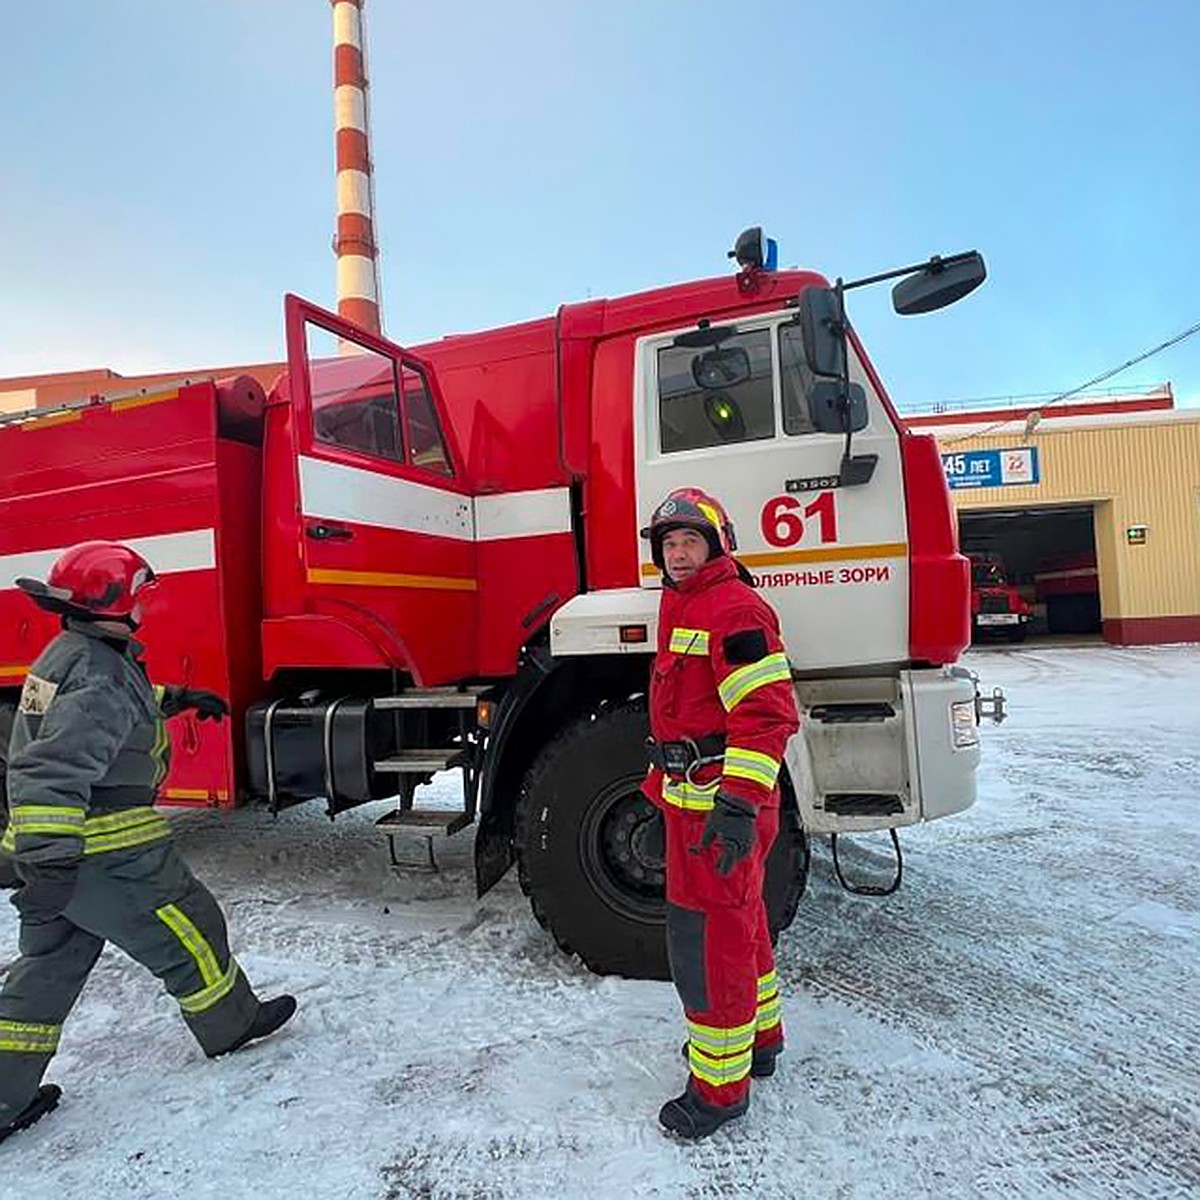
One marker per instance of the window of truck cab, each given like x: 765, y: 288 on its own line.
x: 696, y: 410
x: 372, y: 404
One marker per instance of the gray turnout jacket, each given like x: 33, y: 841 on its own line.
x: 88, y: 750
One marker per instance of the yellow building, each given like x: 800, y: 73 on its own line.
x: 1091, y: 508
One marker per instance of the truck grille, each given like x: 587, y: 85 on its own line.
x: 993, y: 602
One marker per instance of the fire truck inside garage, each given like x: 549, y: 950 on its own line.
x: 1044, y: 559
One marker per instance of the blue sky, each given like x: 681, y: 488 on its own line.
x: 166, y: 171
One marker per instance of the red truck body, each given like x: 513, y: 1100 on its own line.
x: 1069, y: 587
x: 400, y: 528
x: 196, y: 471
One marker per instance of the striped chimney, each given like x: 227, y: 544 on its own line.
x: 354, y: 242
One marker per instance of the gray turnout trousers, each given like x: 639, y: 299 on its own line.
x: 149, y: 904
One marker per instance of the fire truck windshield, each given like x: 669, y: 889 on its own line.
x: 698, y: 408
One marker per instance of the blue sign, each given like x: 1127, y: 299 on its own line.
x: 992, y: 468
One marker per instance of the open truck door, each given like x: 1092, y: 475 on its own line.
x: 386, y: 523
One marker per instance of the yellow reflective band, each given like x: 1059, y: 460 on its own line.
x: 751, y: 765
x: 689, y: 641
x: 729, y: 1069
x: 24, y: 1038
x: 45, y: 828
x: 737, y: 685
x: 692, y: 796
x: 120, y: 830
x: 193, y: 942
x: 767, y: 985
x: 158, y: 751
x: 47, y: 818
x: 8, y: 843
x: 714, y: 518
x: 197, y: 1002
x: 715, y: 1040
x: 769, y: 1014
x: 152, y: 831
x: 122, y: 819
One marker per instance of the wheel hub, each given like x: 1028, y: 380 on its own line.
x: 622, y: 851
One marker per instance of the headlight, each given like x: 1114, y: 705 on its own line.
x: 963, y: 724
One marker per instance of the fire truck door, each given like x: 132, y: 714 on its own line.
x: 735, y: 419
x: 387, y: 525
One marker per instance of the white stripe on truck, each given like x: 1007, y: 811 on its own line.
x: 192, y: 550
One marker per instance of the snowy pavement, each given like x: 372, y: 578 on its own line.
x: 1021, y: 1020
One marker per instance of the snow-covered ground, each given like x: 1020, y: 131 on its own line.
x: 1021, y: 1019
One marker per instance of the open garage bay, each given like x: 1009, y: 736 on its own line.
x: 1047, y: 554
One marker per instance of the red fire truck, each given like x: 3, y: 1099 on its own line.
x: 1069, y: 586
x: 399, y: 561
x: 997, y: 607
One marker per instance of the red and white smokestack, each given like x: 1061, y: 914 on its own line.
x: 354, y: 243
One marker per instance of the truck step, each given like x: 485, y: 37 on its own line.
x: 419, y: 762
x: 418, y: 698
x: 423, y: 821
x: 852, y: 714
x: 863, y: 804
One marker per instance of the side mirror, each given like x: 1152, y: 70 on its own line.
x: 939, y: 284
x: 715, y: 370
x: 820, y: 327
x: 824, y: 411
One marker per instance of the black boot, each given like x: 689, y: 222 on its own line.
x: 271, y: 1015
x: 763, y: 1063
x: 764, y: 1060
x: 45, y: 1101
x: 688, y: 1116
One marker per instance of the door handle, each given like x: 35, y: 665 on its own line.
x: 322, y: 532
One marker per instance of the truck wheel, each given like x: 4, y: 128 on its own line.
x: 581, y: 832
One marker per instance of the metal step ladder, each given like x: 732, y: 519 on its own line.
x: 413, y: 767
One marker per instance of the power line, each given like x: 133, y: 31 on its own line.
x: 1132, y: 362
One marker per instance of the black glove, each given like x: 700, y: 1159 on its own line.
x: 47, y: 891
x: 731, y: 820
x: 208, y: 705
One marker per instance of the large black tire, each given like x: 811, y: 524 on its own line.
x: 581, y: 824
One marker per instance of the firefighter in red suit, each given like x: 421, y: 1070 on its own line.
x: 722, y: 709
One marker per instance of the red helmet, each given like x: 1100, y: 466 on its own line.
x: 95, y: 580
x: 690, y: 508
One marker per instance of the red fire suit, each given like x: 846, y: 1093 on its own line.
x: 721, y: 670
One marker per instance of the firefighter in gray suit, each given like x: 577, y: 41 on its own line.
x: 94, y: 862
